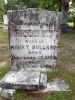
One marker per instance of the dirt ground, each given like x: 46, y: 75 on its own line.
x: 66, y: 55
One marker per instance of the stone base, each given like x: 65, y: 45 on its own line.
x: 28, y: 80
x: 53, y: 86
x: 35, y: 82
x: 56, y: 85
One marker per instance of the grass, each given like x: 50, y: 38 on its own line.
x: 22, y: 95
x: 68, y: 76
x: 3, y: 34
x: 64, y: 66
x: 3, y: 37
x: 68, y: 36
x: 3, y: 71
x: 4, y: 51
x: 66, y: 57
x: 60, y: 96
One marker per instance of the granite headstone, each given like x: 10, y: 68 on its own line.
x: 34, y: 37
x: 33, y: 41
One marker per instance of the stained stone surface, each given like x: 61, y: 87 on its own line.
x: 33, y: 40
x: 53, y: 86
x: 29, y: 80
x: 7, y: 93
x: 34, y: 35
x: 57, y: 85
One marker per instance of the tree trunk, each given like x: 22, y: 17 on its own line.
x: 60, y: 5
x: 64, y: 10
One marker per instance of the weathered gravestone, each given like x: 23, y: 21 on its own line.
x: 33, y: 38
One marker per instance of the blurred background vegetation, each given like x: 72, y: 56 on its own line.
x: 53, y: 5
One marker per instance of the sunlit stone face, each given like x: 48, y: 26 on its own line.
x: 33, y: 39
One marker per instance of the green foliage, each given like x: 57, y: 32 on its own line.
x: 22, y: 4
x: 55, y: 5
x: 47, y: 4
x: 2, y: 6
x: 11, y: 5
x: 70, y: 24
x: 3, y: 71
x: 2, y: 9
x: 70, y: 18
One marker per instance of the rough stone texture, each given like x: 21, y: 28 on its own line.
x: 29, y: 80
x: 7, y: 93
x: 33, y: 39
x: 56, y: 85
x: 33, y: 35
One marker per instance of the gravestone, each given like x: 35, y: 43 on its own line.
x: 33, y: 40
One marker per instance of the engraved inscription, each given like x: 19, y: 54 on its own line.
x: 34, y: 37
